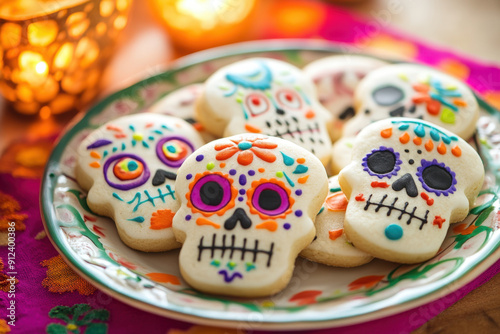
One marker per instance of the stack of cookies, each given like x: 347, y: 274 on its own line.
x: 236, y: 170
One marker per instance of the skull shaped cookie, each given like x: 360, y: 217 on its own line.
x: 129, y: 167
x: 266, y: 96
x: 247, y: 209
x: 181, y: 103
x: 330, y: 246
x: 408, y: 90
x: 408, y: 180
x: 336, y: 78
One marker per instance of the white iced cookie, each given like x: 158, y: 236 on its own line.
x: 341, y: 154
x: 182, y: 103
x: 247, y: 209
x: 129, y: 167
x: 408, y: 180
x: 336, y: 78
x: 331, y: 246
x: 416, y: 91
x: 266, y: 96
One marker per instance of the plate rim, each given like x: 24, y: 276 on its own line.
x: 475, y: 269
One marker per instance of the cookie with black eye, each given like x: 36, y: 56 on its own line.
x: 407, y: 181
x: 414, y: 91
x: 129, y: 167
x: 247, y: 205
x: 268, y: 97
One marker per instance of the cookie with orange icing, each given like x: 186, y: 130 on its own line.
x: 129, y: 166
x: 247, y: 209
x: 330, y: 246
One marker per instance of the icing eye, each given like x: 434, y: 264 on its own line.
x: 436, y: 177
x: 388, y: 95
x: 125, y: 171
x: 172, y: 151
x: 289, y: 99
x: 257, y: 104
x: 382, y: 162
x: 128, y: 169
x: 211, y: 193
x: 270, y: 199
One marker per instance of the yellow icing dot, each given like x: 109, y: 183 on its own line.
x: 279, y: 174
x: 137, y: 136
x: 210, y: 165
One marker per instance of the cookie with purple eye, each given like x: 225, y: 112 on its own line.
x: 408, y: 180
x: 268, y: 97
x: 330, y: 245
x: 129, y: 167
x: 247, y: 209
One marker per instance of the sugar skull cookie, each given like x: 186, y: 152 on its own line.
x: 269, y: 97
x: 330, y: 246
x: 336, y: 78
x: 129, y: 167
x: 181, y: 103
x: 247, y: 209
x: 408, y: 180
x: 415, y: 91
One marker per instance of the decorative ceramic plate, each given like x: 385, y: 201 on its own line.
x: 317, y: 296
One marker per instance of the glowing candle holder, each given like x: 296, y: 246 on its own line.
x: 200, y: 24
x: 52, y: 52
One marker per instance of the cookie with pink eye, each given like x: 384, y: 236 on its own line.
x: 336, y: 78
x: 408, y: 180
x: 330, y: 246
x: 129, y: 167
x: 182, y: 103
x: 247, y: 209
x: 269, y: 97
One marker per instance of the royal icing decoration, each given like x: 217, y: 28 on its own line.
x: 243, y: 223
x: 129, y: 167
x: 425, y: 188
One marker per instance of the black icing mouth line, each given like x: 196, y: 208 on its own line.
x: 293, y: 129
x: 392, y: 208
x: 231, y: 248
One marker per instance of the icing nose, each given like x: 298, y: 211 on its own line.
x: 239, y: 215
x: 161, y: 175
x: 406, y: 182
x: 280, y: 111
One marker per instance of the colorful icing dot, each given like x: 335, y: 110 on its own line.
x: 137, y: 136
x: 215, y: 263
x: 287, y: 226
x: 298, y: 192
x: 241, y: 199
x: 171, y: 148
x: 242, y: 191
x: 189, y: 176
x: 222, y: 165
x: 245, y: 145
x: 242, y: 179
x: 393, y: 232
x: 279, y: 174
x: 132, y: 165
x: 261, y: 170
x: 232, y: 172
x: 199, y: 157
x: 298, y: 213
x: 231, y: 265
x: 251, y: 172
x: 188, y: 217
x: 210, y: 166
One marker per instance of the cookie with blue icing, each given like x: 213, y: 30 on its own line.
x: 415, y: 91
x: 269, y: 97
x: 408, y: 180
x: 247, y: 209
x: 129, y: 166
